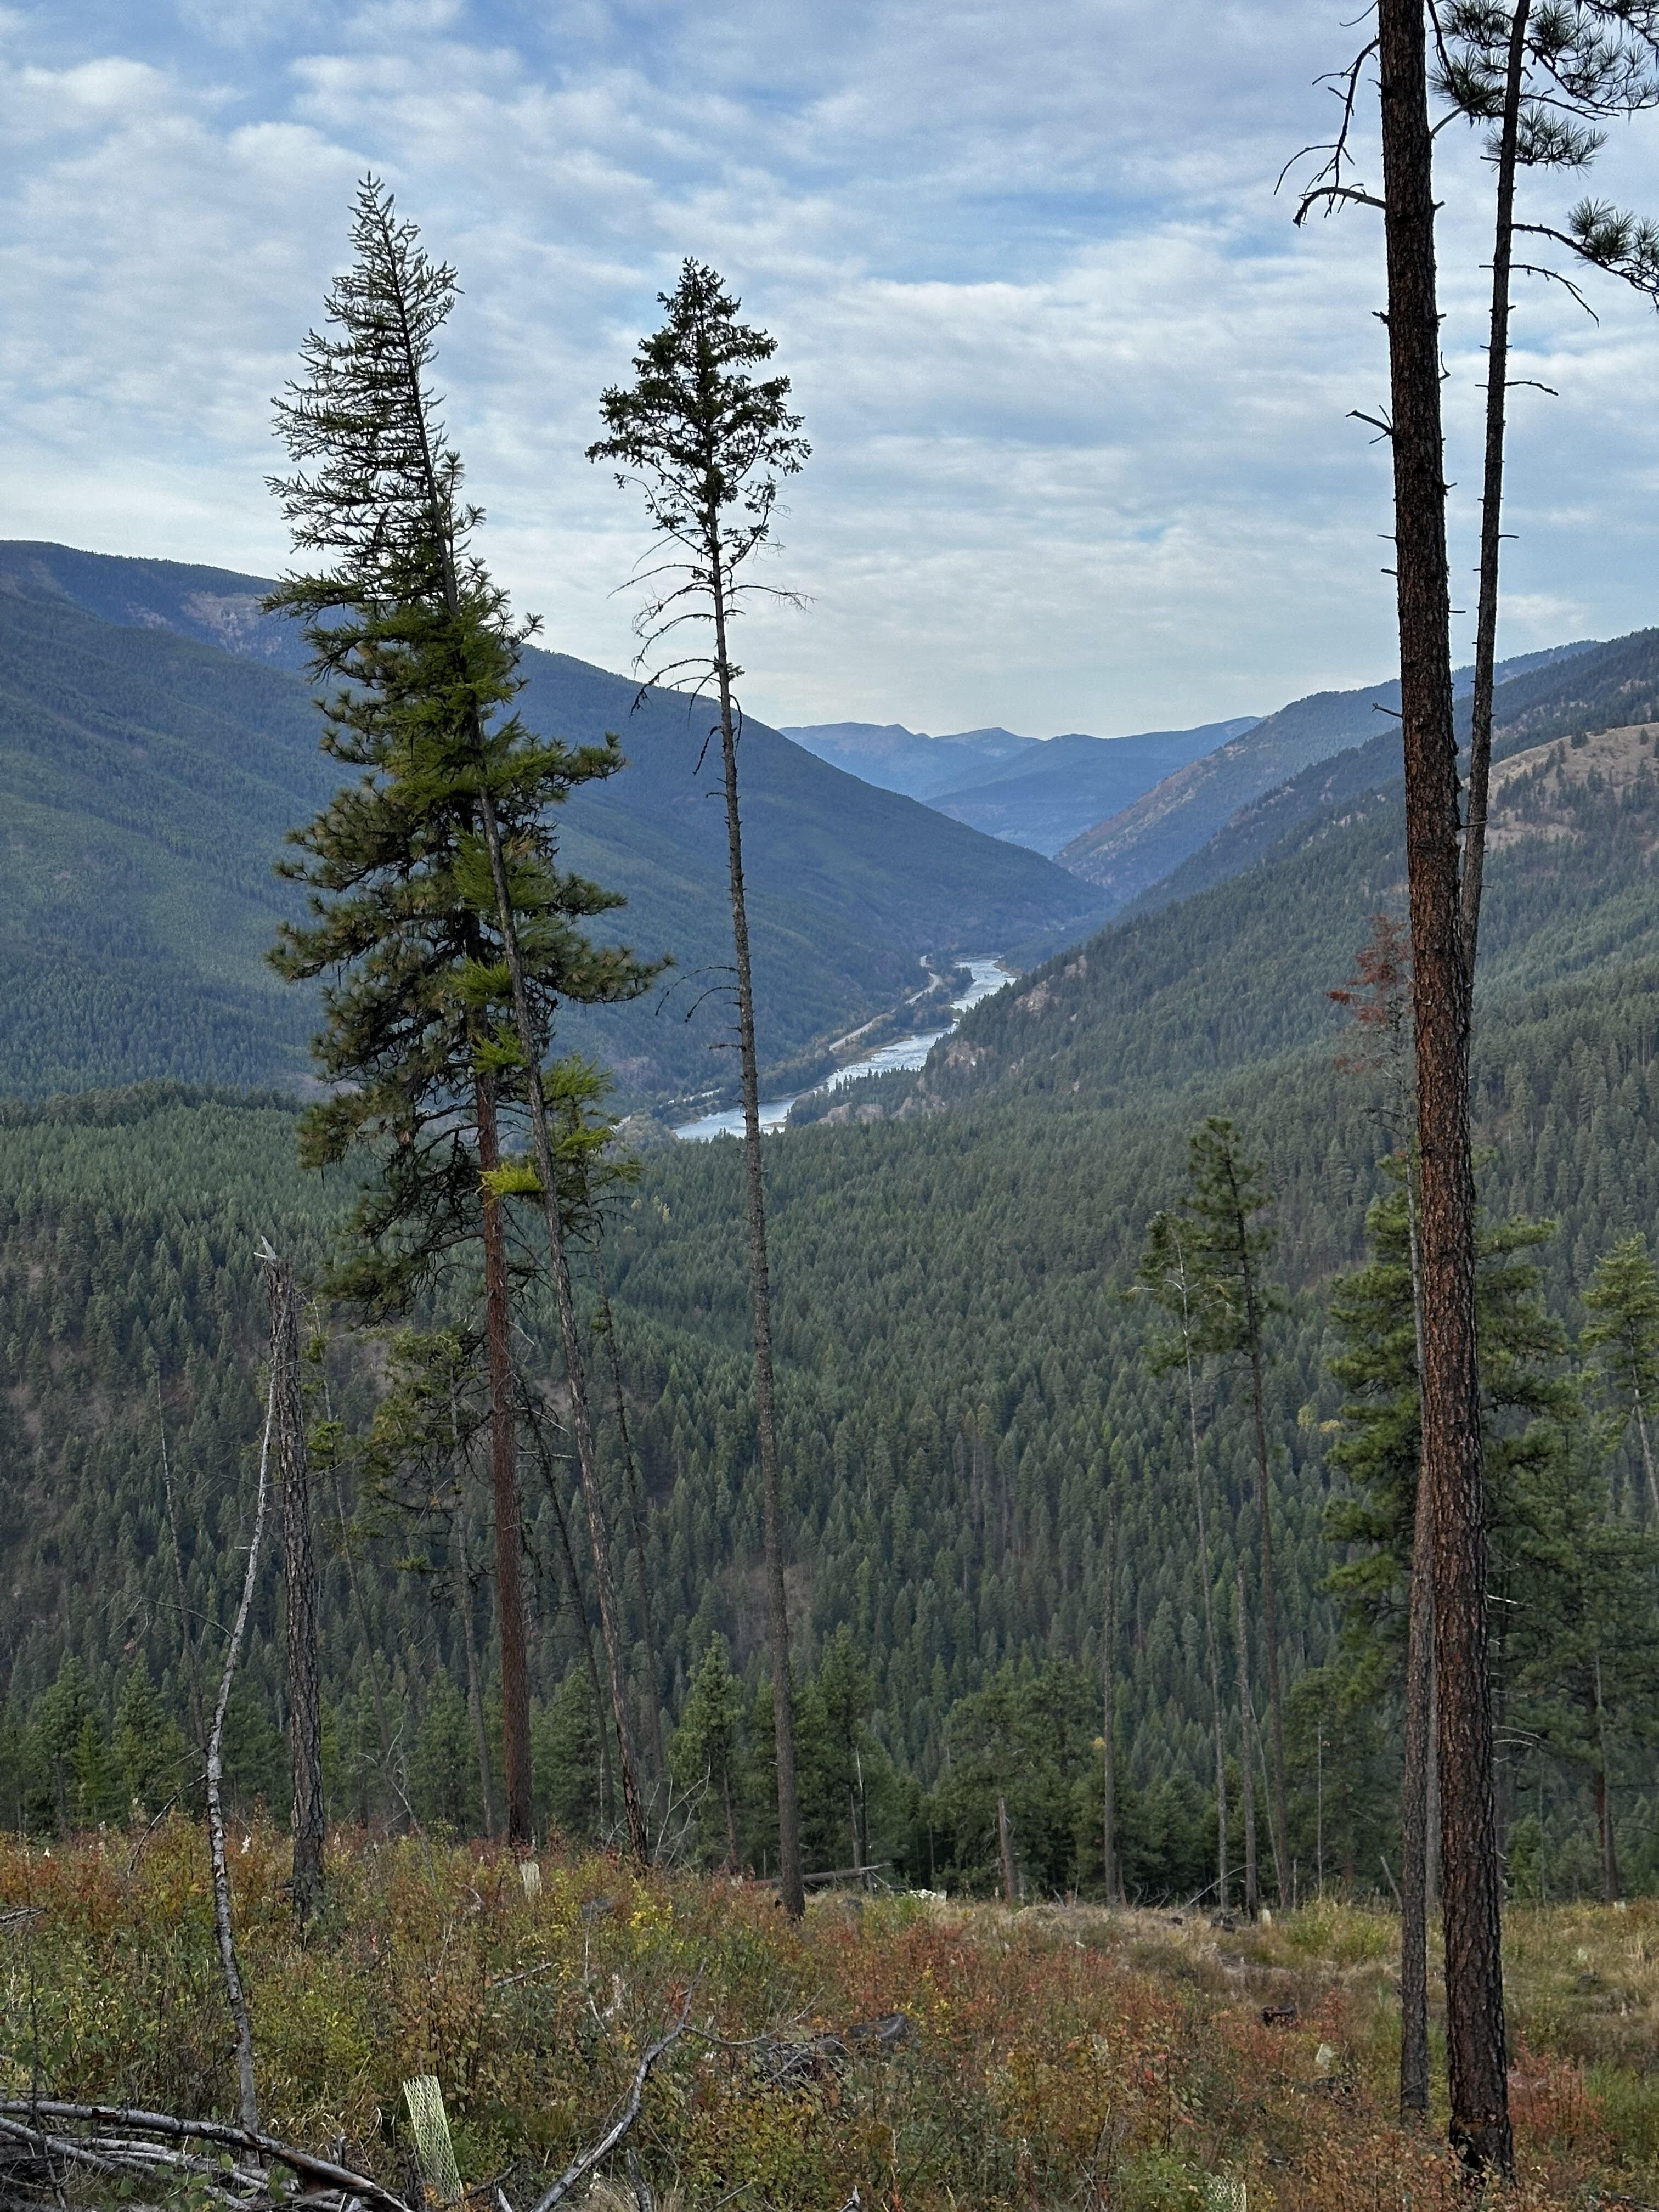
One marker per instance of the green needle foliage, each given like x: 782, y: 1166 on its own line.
x: 426, y: 942
x: 707, y: 443
x: 419, y: 703
x: 1528, y: 1403
x: 1623, y: 1301
x: 1229, y: 1241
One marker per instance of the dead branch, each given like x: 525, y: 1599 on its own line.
x: 247, y: 2100
x: 580, y: 2167
x: 1327, y: 185
x: 112, y: 2151
x: 1554, y: 276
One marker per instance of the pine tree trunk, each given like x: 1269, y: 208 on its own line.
x: 1413, y: 1828
x: 636, y: 1515
x: 1005, y: 1845
x: 1212, y: 1659
x: 777, y: 1609
x: 305, y: 1732
x: 1417, y: 1805
x: 1451, y: 1425
x: 1247, y: 1732
x: 1491, y: 495
x: 1604, y: 1799
x: 1108, y: 1717
x: 598, y: 1529
x: 475, y: 1713
x: 504, y: 1488
x: 229, y: 1966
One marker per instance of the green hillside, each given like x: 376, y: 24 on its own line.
x: 1126, y: 854
x: 1218, y: 981
x: 963, y: 1383
x: 149, y: 778
x: 1598, y: 687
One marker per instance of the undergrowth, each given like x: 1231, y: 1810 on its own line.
x: 1058, y: 2057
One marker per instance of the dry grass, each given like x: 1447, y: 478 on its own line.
x: 1058, y: 2057
x: 1528, y: 789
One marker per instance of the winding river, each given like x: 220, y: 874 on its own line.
x: 988, y: 974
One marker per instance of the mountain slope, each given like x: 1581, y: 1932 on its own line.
x: 149, y: 778
x: 894, y: 758
x: 1597, y: 687
x: 1127, y: 853
x: 214, y: 606
x: 1238, y: 974
x: 1045, y: 801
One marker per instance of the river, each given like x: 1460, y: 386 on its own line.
x: 988, y: 974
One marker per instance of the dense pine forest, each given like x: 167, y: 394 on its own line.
x: 1150, y: 1512
x: 966, y: 1392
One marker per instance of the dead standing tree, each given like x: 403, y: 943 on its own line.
x: 1595, y: 57
x: 305, y: 1731
x: 707, y: 443
x: 247, y: 2101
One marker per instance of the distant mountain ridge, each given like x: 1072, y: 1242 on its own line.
x: 1238, y: 972
x: 213, y: 606
x: 154, y: 750
x: 1128, y: 853
x: 1038, y: 792
x: 895, y: 758
x: 1039, y: 800
x: 1590, y: 687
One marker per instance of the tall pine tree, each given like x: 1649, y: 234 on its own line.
x: 420, y: 656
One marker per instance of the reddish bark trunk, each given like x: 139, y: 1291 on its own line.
x: 504, y: 1488
x: 1476, y: 2048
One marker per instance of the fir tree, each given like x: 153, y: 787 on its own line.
x: 438, y: 943
x: 706, y: 1753
x: 1623, y: 1299
x: 1225, y: 1199
x: 708, y: 442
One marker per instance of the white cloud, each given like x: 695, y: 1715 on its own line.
x: 1079, y: 395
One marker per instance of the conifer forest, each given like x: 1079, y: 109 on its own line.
x: 760, y: 1466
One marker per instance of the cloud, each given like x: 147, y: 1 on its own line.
x: 1079, y: 397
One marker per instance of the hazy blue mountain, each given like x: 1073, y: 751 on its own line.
x: 1045, y: 799
x: 1039, y: 792
x: 894, y: 758
x: 1127, y: 854
x: 147, y: 777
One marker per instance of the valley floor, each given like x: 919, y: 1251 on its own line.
x: 924, y: 2053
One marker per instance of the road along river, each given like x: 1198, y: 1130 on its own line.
x: 988, y: 974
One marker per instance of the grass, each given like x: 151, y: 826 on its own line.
x: 1058, y: 2057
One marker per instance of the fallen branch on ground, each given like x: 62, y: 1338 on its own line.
x: 113, y: 2147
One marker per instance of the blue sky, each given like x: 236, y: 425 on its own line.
x: 1079, y: 393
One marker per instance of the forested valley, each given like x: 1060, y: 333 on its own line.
x: 1136, y: 1505
x: 966, y: 1393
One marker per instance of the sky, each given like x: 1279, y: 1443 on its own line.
x: 1080, y: 396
